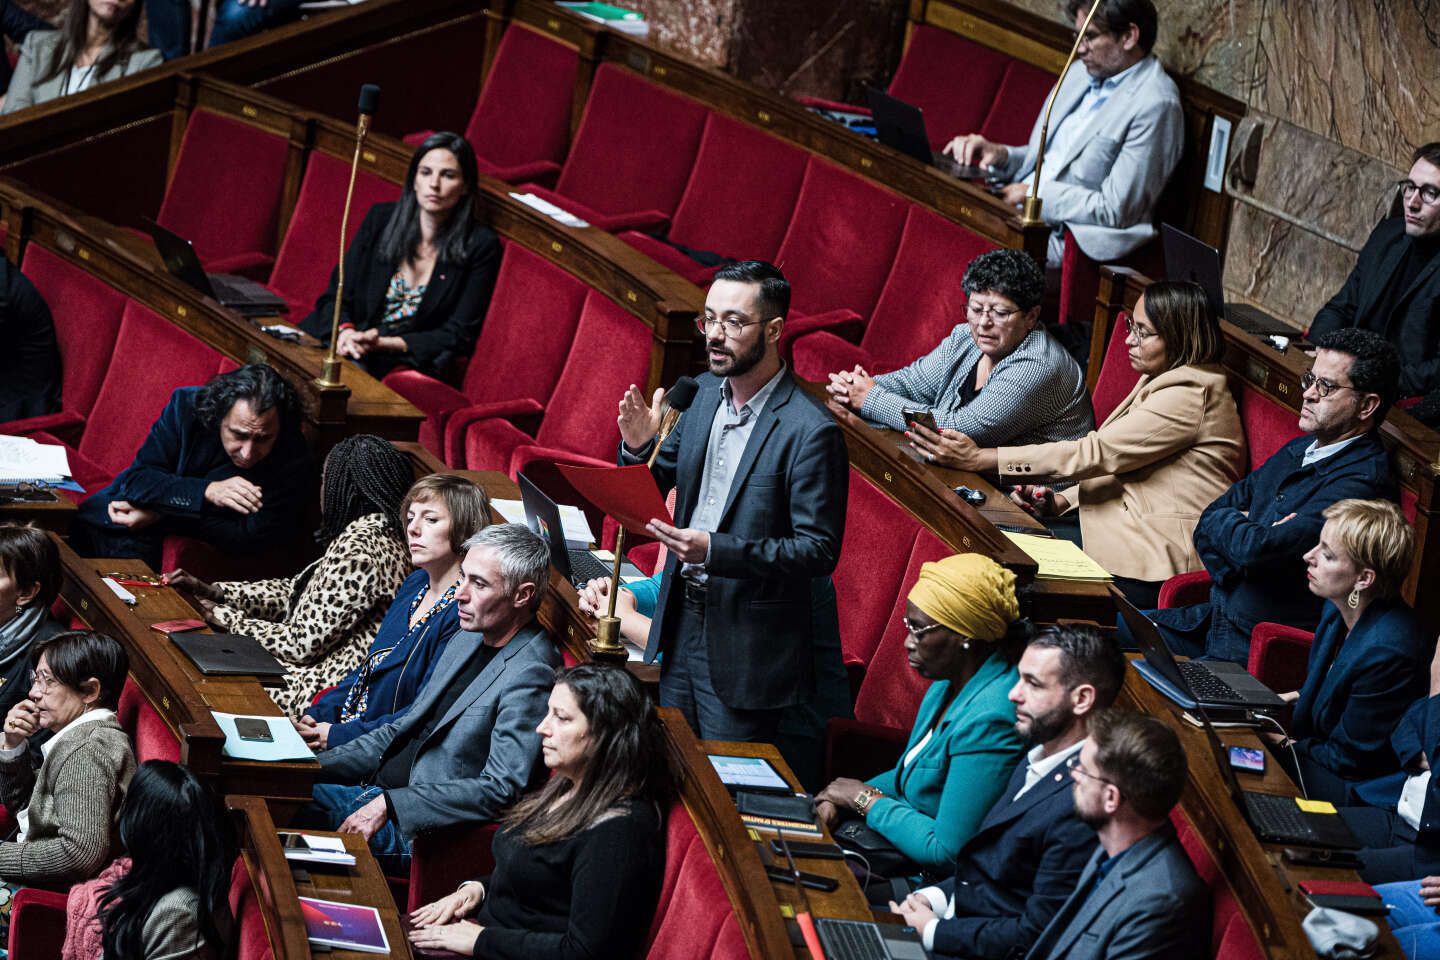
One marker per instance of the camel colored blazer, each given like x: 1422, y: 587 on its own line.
x: 1172, y: 446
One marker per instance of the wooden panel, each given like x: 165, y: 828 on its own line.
x: 1040, y: 43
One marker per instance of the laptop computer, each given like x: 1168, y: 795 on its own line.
x: 901, y: 126
x: 1277, y: 818
x: 240, y: 294
x: 1211, y: 684
x: 1192, y: 259
x: 576, y: 564
x: 228, y: 655
x: 866, y: 940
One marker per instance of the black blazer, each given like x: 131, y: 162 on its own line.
x: 1017, y: 870
x: 780, y: 529
x: 1413, y: 325
x: 1358, y: 686
x: 448, y: 321
x: 30, y: 363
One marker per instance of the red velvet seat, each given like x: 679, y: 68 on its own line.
x: 1117, y: 377
x: 137, y: 716
x: 879, y: 537
x: 1231, y: 937
x: 311, y: 245
x: 1280, y: 655
x: 520, y: 354
x: 632, y: 154
x: 693, y: 917
x: 224, y: 193
x: 838, y: 250
x: 1017, y: 103
x: 37, y: 923
x: 87, y: 315
x: 1269, y: 424
x: 1080, y: 277
x: 520, y: 127
x: 610, y: 352
x: 891, y: 692
x: 920, y: 305
x: 738, y: 201
x: 253, y: 939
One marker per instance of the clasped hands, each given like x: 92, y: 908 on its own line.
x: 355, y: 344
x: 849, y: 388
x: 437, y: 925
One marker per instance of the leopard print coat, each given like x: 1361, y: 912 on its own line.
x: 320, y: 622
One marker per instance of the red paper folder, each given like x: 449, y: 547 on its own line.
x: 628, y: 494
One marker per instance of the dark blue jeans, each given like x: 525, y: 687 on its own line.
x: 333, y: 802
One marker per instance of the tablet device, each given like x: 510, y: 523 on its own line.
x: 749, y: 773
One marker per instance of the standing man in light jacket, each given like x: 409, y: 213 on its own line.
x: 468, y: 746
x: 1116, y: 135
x: 1139, y: 896
x: 761, y: 478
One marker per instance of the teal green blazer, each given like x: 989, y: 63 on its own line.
x: 935, y: 803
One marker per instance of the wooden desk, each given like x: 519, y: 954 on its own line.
x: 54, y: 515
x: 276, y: 887
x: 180, y: 693
x: 1265, y: 886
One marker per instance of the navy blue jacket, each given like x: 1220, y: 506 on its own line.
x: 396, y: 681
x: 1256, y: 563
x: 1416, y: 735
x: 1357, y: 687
x: 1017, y: 870
x: 181, y: 457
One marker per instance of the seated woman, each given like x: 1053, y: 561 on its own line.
x: 999, y: 378
x: 441, y: 512
x: 29, y: 583
x: 1369, y: 659
x: 173, y: 901
x: 964, y: 632
x: 96, y: 42
x: 419, y: 273
x: 67, y: 796
x: 801, y: 734
x: 578, y: 864
x: 1170, y: 447
x: 320, y: 622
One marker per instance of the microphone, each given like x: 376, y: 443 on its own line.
x: 676, y: 402
x: 369, y: 103
x: 1033, y: 204
x: 607, y: 645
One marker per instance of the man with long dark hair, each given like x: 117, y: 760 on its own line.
x: 224, y: 464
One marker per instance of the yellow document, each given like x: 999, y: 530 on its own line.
x: 1059, y: 559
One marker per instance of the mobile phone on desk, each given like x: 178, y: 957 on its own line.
x: 1249, y: 759
x: 256, y: 731
x: 1312, y: 857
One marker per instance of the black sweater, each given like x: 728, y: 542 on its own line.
x: 588, y: 897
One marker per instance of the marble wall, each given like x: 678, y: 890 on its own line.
x: 1340, y: 92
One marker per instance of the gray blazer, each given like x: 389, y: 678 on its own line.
x: 1035, y: 395
x: 26, y: 87
x: 1108, y: 180
x: 1150, y: 905
x: 480, y: 755
x: 172, y: 931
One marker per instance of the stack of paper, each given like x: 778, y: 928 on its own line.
x: 563, y: 216
x: 616, y: 18
x: 284, y: 742
x: 313, y: 849
x: 577, y: 528
x: 23, y: 459
x: 1059, y: 559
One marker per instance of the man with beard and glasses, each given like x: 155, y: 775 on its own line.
x: 1139, y: 896
x: 1020, y: 866
x: 761, y: 475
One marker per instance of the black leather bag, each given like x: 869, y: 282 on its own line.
x: 883, y: 857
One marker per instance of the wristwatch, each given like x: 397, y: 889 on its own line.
x: 864, y: 798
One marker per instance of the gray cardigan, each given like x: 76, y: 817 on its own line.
x: 172, y: 931
x: 26, y: 87
x: 74, y: 799
x: 1035, y: 395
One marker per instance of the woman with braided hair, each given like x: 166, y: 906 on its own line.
x: 321, y: 621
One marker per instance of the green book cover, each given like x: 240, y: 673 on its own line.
x: 603, y: 11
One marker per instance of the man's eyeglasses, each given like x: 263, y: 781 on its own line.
x: 977, y: 310
x: 730, y: 325
x: 1077, y: 768
x: 1429, y: 194
x: 1322, y: 386
x: 1140, y: 335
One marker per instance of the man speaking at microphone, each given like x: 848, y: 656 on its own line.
x: 760, y: 473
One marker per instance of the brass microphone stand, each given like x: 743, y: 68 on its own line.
x: 1030, y: 217
x: 330, y: 369
x: 607, y: 645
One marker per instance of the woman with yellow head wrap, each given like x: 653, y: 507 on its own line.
x: 964, y: 632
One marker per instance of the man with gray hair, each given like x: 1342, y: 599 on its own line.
x: 467, y: 746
